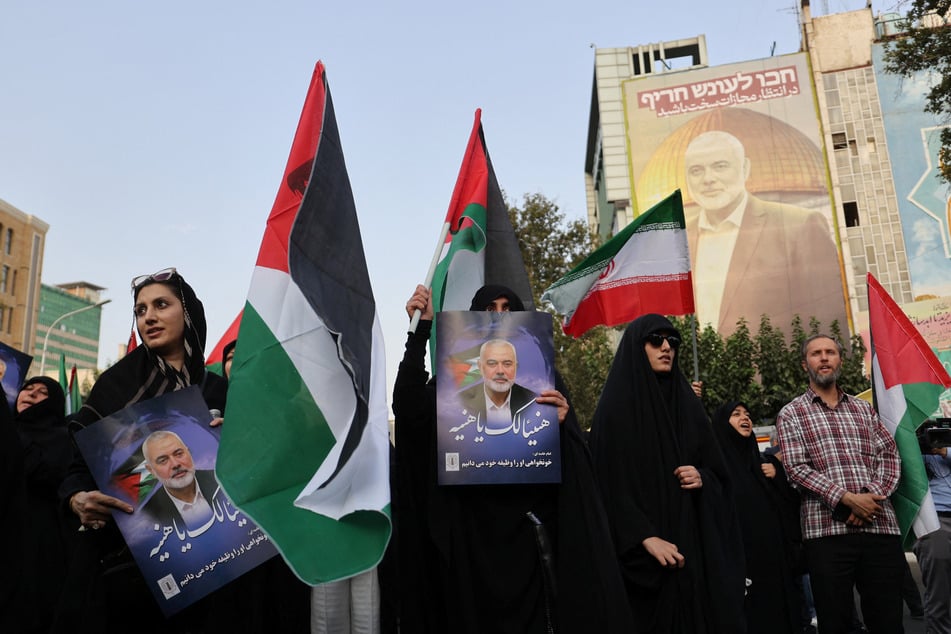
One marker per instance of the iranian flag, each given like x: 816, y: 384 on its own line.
x: 477, y: 245
x: 907, y: 380
x: 644, y: 268
x: 305, y: 449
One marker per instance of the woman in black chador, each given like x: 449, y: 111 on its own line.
x: 666, y: 490
x: 41, y: 426
x: 468, y: 557
x: 768, y: 511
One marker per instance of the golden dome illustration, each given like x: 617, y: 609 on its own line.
x: 782, y: 159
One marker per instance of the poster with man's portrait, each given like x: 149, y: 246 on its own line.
x: 187, y: 538
x: 13, y: 368
x: 491, y: 368
x: 743, y: 143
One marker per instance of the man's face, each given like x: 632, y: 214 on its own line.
x: 823, y: 362
x: 716, y: 174
x: 660, y: 353
x: 498, y: 366
x: 169, y: 460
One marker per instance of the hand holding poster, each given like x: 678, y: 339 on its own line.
x: 185, y: 535
x: 491, y: 430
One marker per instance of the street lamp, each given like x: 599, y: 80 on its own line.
x: 46, y: 339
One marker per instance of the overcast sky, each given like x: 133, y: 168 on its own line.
x: 150, y: 136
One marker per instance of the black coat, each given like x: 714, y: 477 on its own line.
x: 647, y: 425
x: 467, y: 557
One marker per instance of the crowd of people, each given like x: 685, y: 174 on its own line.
x: 661, y: 521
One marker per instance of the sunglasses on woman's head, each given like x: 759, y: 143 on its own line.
x: 657, y: 339
x: 161, y: 276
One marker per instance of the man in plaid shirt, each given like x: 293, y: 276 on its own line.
x: 845, y: 464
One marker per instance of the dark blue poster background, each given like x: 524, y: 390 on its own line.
x: 180, y: 563
x: 470, y: 449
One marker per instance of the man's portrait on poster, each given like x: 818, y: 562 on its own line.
x: 492, y: 368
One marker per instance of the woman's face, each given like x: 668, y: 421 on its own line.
x: 31, y: 395
x: 740, y: 420
x: 160, y: 319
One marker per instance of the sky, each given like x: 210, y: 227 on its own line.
x: 150, y: 136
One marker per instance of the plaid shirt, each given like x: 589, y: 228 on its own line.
x: 828, y: 451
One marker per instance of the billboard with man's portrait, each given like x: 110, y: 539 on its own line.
x: 742, y: 142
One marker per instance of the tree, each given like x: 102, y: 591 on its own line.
x: 763, y: 370
x: 926, y: 49
x: 551, y: 246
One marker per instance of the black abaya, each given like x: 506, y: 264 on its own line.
x: 647, y: 425
x: 768, y: 512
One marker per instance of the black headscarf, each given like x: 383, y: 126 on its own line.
x: 768, y: 514
x: 142, y: 374
x: 491, y: 292
x: 54, y: 405
x: 645, y: 426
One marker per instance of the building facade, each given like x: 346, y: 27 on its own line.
x: 22, y: 241
x: 823, y: 137
x: 75, y: 336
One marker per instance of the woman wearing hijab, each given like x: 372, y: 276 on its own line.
x: 768, y: 512
x: 468, y: 557
x: 171, y: 323
x: 666, y: 490
x: 41, y: 426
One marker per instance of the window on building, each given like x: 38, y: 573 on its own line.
x: 13, y: 284
x: 8, y: 242
x: 839, y: 141
x: 851, y: 211
x: 10, y: 320
x: 4, y: 276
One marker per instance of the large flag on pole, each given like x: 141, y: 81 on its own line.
x: 907, y: 379
x: 305, y: 450
x: 644, y: 268
x: 214, y: 360
x: 478, y: 246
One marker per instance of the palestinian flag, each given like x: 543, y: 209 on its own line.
x: 134, y: 479
x: 74, y: 400
x: 214, y: 360
x: 907, y: 379
x: 132, y: 343
x: 644, y: 268
x: 305, y: 450
x: 480, y: 246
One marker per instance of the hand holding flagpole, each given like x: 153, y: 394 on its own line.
x: 428, y: 282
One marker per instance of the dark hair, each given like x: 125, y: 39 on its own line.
x: 811, y: 338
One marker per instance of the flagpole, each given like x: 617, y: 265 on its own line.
x: 429, y: 274
x: 696, y: 359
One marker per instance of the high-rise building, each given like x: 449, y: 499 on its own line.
x: 75, y: 336
x: 800, y: 173
x: 22, y: 240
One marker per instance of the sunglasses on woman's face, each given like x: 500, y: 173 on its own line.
x: 657, y: 339
x: 161, y: 276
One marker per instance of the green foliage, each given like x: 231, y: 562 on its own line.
x: 927, y: 50
x: 551, y: 245
x: 763, y: 370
